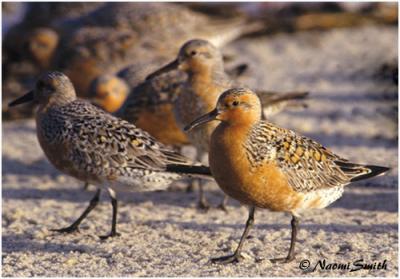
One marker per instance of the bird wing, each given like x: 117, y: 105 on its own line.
x: 149, y: 94
x: 307, y: 164
x: 274, y: 102
x: 100, y: 142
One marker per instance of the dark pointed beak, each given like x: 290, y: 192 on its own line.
x: 169, y: 67
x: 212, y: 115
x: 28, y: 97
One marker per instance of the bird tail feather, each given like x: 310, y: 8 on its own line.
x: 271, y: 97
x: 361, y: 172
x: 190, y: 170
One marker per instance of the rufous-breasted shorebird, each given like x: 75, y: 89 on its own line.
x: 265, y: 166
x: 93, y: 146
x: 203, y: 64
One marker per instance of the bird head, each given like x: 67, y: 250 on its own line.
x: 195, y: 56
x: 51, y: 88
x: 234, y: 106
x: 41, y: 46
x: 109, y: 92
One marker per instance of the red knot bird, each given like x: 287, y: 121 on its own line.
x: 93, y: 146
x: 203, y: 64
x: 265, y: 166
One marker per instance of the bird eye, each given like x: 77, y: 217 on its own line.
x: 235, y: 103
x: 193, y: 53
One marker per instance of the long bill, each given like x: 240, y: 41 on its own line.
x: 212, y: 115
x: 28, y: 97
x: 169, y: 67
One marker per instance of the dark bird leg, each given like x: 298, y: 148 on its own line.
x: 202, y: 201
x: 86, y: 186
x: 114, y: 204
x: 290, y: 257
x: 236, y: 257
x: 202, y: 204
x: 223, y: 204
x: 74, y: 227
x: 191, y: 186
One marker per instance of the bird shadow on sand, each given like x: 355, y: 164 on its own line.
x: 24, y: 242
x: 38, y: 167
x: 76, y: 195
x: 387, y: 201
x: 260, y: 225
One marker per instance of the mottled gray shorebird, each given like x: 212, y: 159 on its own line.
x: 91, y: 145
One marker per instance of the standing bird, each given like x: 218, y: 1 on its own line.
x: 91, y: 145
x: 203, y: 64
x: 265, y: 166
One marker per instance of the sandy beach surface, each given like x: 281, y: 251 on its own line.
x: 353, y: 110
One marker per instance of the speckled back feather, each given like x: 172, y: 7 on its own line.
x: 152, y: 93
x: 308, y: 165
x: 102, y: 144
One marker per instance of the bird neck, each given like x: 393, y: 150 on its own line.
x: 227, y: 142
x: 234, y: 131
x: 204, y: 71
x: 240, y: 118
x: 55, y: 101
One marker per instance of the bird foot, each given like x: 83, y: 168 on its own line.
x: 202, y: 204
x: 112, y: 234
x: 223, y: 207
x: 70, y: 229
x: 190, y: 188
x: 235, y: 258
x: 86, y: 187
x: 282, y: 260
